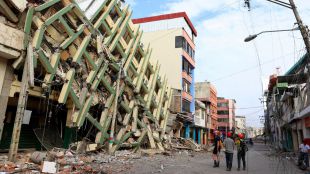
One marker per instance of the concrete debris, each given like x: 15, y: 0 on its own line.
x: 38, y: 157
x: 183, y: 144
x: 67, y: 161
x: 49, y: 167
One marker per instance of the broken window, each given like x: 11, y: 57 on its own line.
x: 114, y: 15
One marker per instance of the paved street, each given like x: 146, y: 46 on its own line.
x: 258, y: 163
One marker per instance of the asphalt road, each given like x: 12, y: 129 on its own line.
x: 259, y: 160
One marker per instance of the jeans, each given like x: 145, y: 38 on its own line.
x: 241, y: 156
x: 229, y: 159
x: 304, y: 157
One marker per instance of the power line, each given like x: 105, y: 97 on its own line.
x: 249, y: 68
x: 252, y: 107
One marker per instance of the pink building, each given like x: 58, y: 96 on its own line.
x: 226, y: 114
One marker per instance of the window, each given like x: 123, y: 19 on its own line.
x: 223, y: 120
x: 203, y: 114
x: 187, y: 67
x: 179, y: 41
x: 138, y: 56
x: 114, y: 15
x: 185, y: 106
x: 127, y: 37
x: 223, y: 112
x: 186, y: 86
x: 222, y: 105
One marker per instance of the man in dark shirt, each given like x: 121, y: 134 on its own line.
x: 217, y: 149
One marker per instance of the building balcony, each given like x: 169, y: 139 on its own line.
x: 188, y: 39
x: 223, y: 124
x: 188, y: 58
x: 222, y: 116
x: 187, y: 96
x: 187, y: 77
x: 222, y: 108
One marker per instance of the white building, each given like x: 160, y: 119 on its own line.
x: 240, y: 123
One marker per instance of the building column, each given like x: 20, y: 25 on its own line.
x: 199, y: 135
x: 187, y: 130
x: 6, y: 79
x: 69, y: 129
x: 194, y: 134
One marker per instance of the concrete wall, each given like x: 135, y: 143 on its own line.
x: 163, y: 46
x: 7, y: 79
x: 3, y: 65
x: 11, y: 42
x: 202, y: 90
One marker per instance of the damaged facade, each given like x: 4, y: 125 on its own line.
x: 88, y: 78
x: 287, y: 111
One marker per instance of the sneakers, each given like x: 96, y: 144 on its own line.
x: 238, y: 169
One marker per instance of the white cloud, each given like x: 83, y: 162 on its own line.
x: 195, y: 7
x: 221, y: 51
x: 132, y: 3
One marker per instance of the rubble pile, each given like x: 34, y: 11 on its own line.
x: 95, y: 67
x: 66, y: 161
x: 183, y: 144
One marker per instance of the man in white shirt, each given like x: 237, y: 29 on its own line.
x: 303, y: 153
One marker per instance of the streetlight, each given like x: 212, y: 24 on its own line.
x: 303, y: 29
x: 251, y: 37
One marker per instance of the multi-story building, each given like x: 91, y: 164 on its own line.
x: 81, y: 66
x: 206, y: 93
x: 199, y: 131
x: 172, y: 38
x: 240, y: 124
x: 226, y: 114
x: 287, y: 114
x: 252, y: 132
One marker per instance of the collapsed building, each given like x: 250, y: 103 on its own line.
x: 72, y: 75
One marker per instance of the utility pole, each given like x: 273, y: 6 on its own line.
x: 22, y: 103
x: 303, y: 29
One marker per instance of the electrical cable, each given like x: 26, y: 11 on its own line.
x: 248, y: 69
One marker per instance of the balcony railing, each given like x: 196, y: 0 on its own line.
x: 187, y: 77
x: 187, y: 96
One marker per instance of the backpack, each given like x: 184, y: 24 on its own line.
x: 221, y: 146
x: 243, y: 147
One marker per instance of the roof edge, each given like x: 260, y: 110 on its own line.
x: 166, y: 16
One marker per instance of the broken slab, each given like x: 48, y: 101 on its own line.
x: 11, y: 42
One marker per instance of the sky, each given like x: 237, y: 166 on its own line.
x: 239, y: 70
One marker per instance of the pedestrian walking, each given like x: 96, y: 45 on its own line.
x: 229, y: 145
x: 303, y: 159
x: 241, y: 150
x: 217, y: 149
